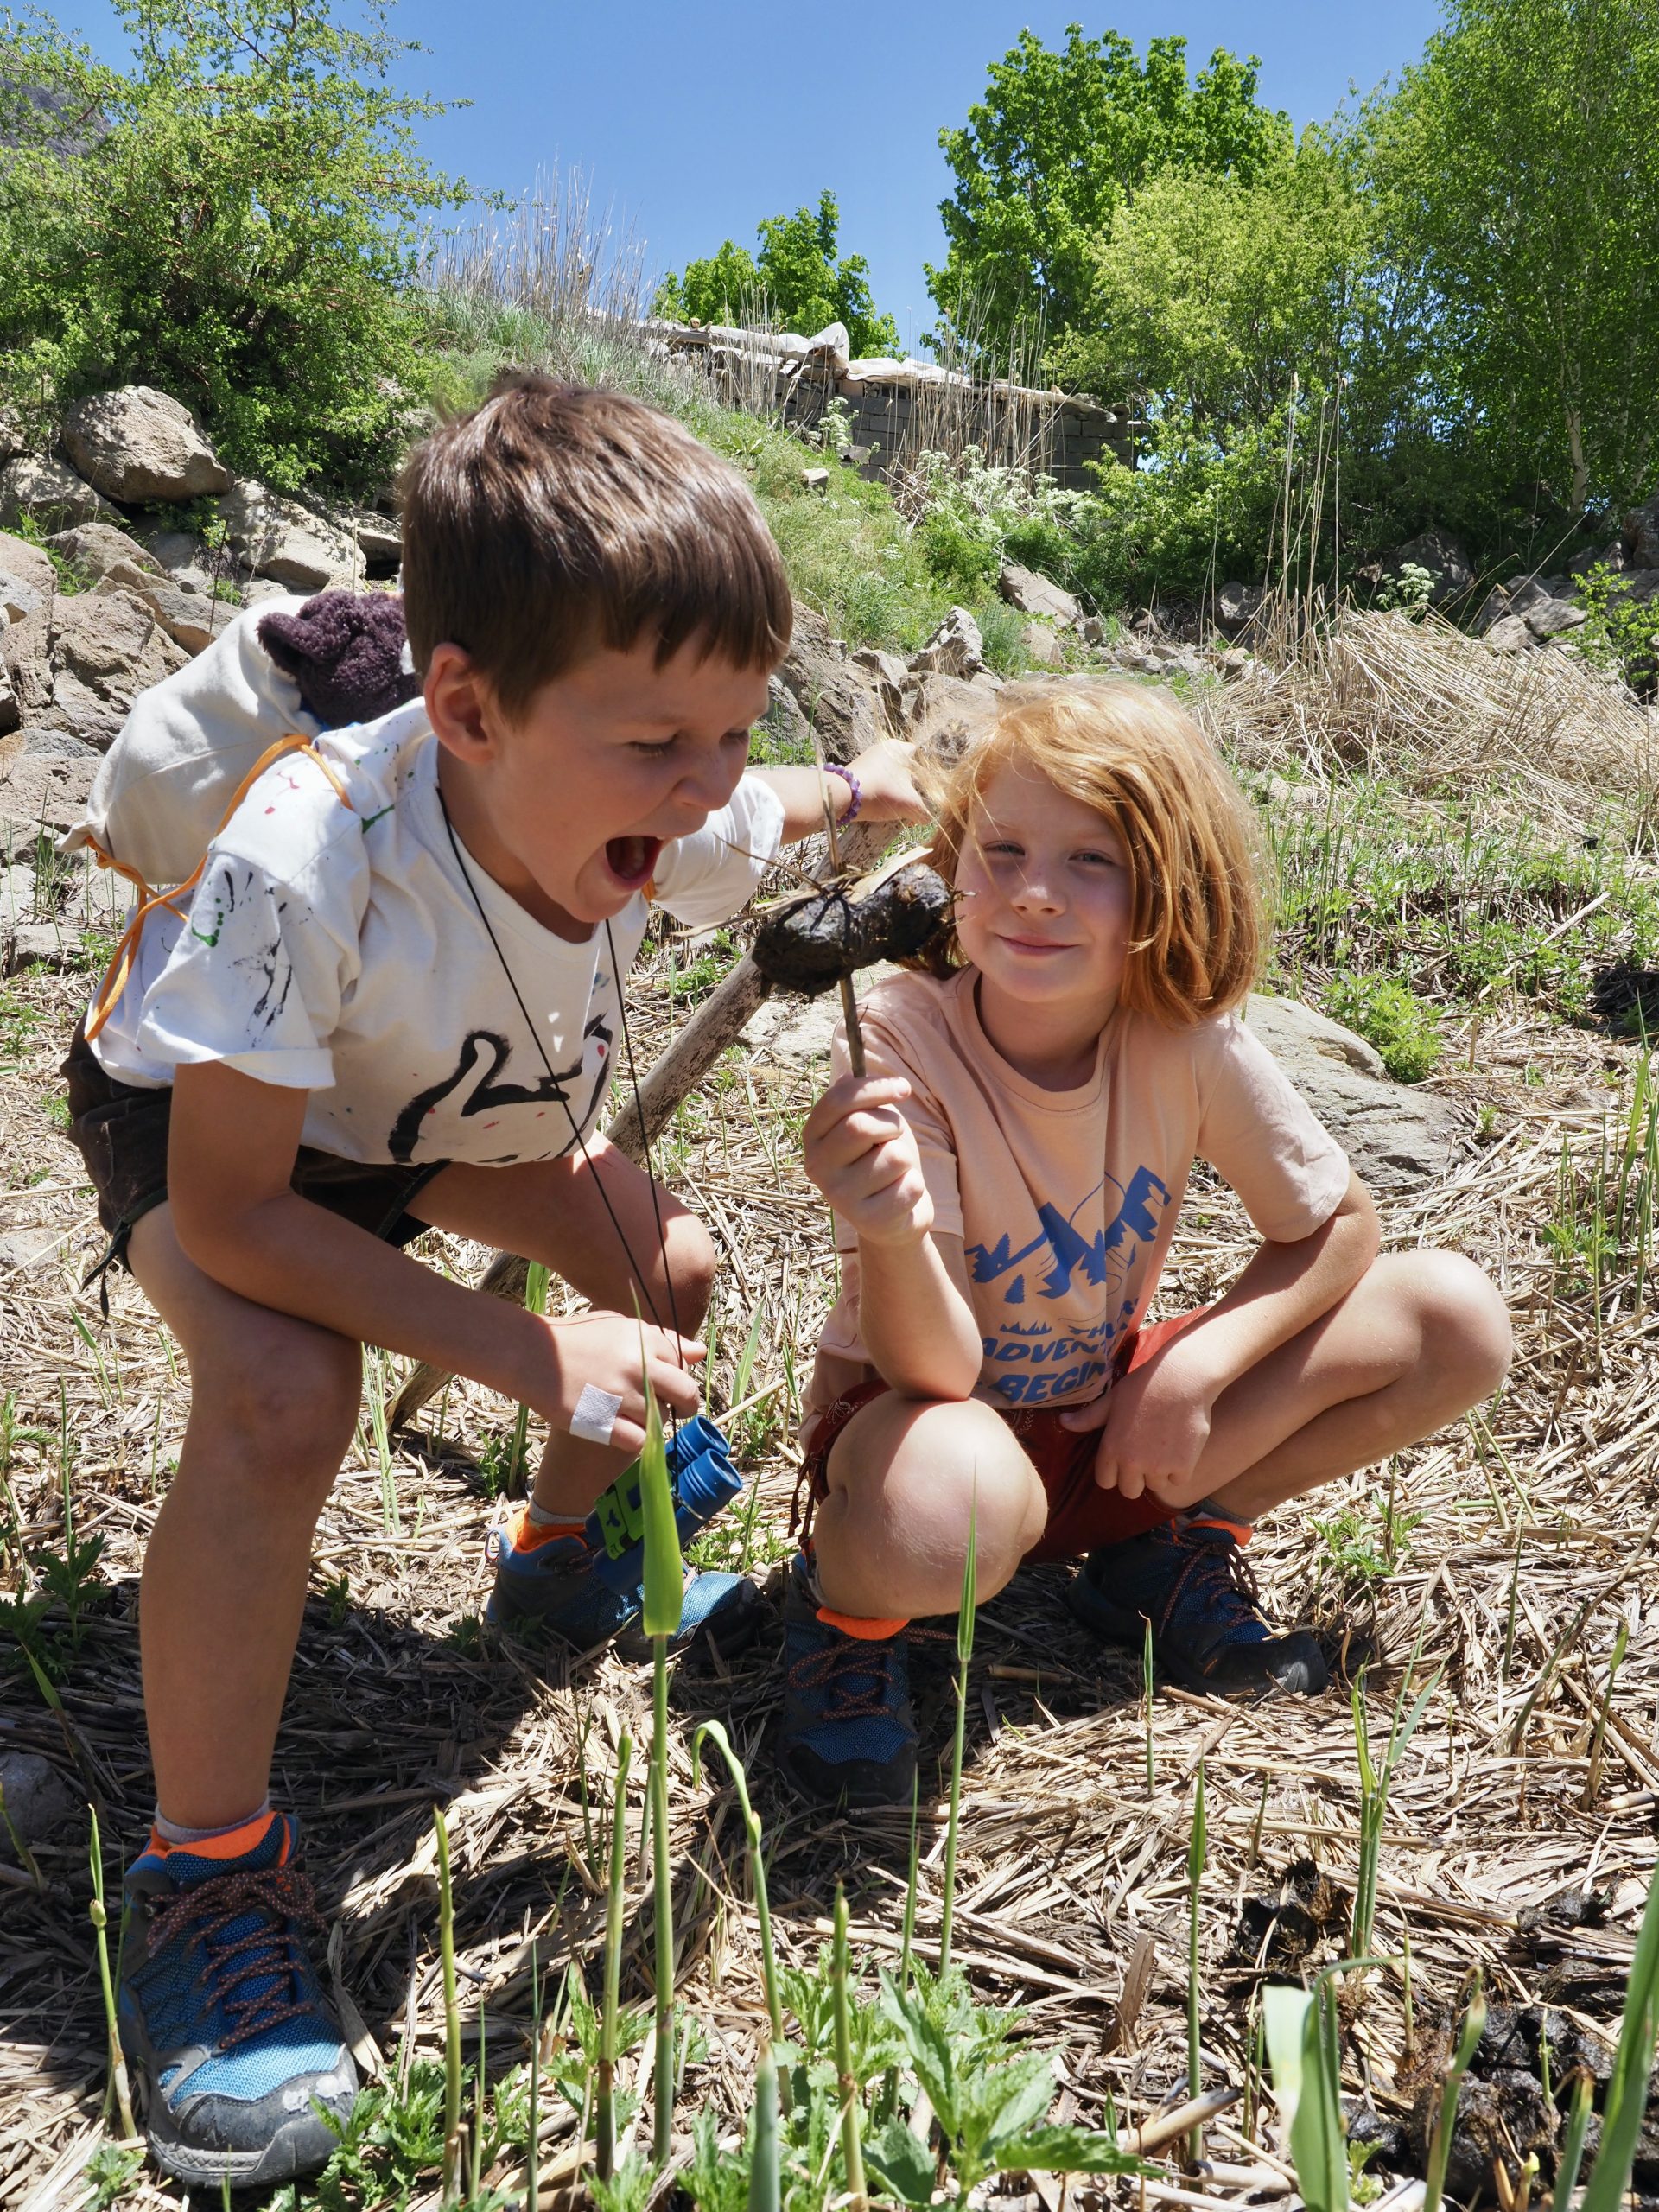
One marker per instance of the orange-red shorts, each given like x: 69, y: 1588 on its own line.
x: 1080, y: 1514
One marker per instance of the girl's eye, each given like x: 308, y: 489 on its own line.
x: 1100, y: 860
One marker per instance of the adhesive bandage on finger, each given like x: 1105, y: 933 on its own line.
x: 595, y: 1415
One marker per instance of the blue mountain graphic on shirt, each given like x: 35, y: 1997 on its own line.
x: 1145, y: 1198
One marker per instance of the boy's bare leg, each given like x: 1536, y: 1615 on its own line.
x: 1420, y: 1338
x: 273, y: 1404
x: 552, y: 1211
x: 907, y: 1478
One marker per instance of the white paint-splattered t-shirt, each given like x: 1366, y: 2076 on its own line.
x: 1065, y: 1200
x: 337, y: 950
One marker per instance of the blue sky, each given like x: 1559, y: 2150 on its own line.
x: 694, y: 121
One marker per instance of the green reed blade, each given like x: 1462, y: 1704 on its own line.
x: 605, y: 2084
x: 766, y: 2162
x: 1439, y: 2148
x: 1572, y: 2152
x: 1197, y: 1853
x: 1624, y: 2105
x: 852, y: 2147
x: 116, y: 2088
x: 451, y: 2012
x: 712, y: 1729
x: 665, y: 1567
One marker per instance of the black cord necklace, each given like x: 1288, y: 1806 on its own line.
x: 559, y: 1092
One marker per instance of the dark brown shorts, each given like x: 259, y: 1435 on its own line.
x: 121, y: 1132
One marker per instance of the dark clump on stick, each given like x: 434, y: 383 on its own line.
x: 811, y: 943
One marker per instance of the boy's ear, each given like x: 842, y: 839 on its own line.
x: 460, y: 704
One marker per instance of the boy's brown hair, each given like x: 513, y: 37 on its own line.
x: 1132, y: 754
x: 557, y: 519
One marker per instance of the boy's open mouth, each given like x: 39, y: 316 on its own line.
x: 631, y: 859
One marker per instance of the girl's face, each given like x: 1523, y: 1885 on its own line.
x: 1045, y: 909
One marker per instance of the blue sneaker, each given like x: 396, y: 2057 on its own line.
x: 1190, y: 1579
x: 221, y: 2015
x: 553, y: 1584
x: 848, y: 1734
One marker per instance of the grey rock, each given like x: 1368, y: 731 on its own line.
x: 29, y: 565
x: 1496, y: 604
x: 17, y: 891
x: 830, y: 694
x: 42, y: 944
x: 1509, y: 634
x: 1092, y: 630
x: 884, y: 676
x: 29, y: 1251
x: 282, y: 541
x: 1237, y: 606
x: 785, y: 725
x: 18, y: 599
x: 797, y: 1033
x: 50, y: 493
x: 258, y: 587
x: 174, y: 549
x: 191, y: 619
x: 25, y: 651
x: 1554, y: 616
x: 1234, y: 664
x: 11, y: 435
x: 39, y: 1802
x: 1399, y: 1136
x: 943, y: 715
x: 11, y: 711
x: 137, y: 444
x: 1530, y: 592
x: 1438, y: 552
x: 815, y: 480
x: 1036, y: 594
x: 48, y: 743
x: 106, y: 648
x: 379, y: 538
x: 1640, y: 535
x: 95, y: 548
x: 955, y: 648
x: 1042, y: 646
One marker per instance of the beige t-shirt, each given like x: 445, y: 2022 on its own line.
x: 1066, y: 1201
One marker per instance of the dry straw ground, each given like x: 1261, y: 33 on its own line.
x: 1072, y: 1885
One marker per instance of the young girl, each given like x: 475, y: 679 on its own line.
x: 1006, y: 1182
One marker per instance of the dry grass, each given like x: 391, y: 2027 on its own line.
x: 1417, y: 700
x: 1071, y: 1892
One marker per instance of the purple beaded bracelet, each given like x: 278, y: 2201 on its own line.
x: 835, y: 768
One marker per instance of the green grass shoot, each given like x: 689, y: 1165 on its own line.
x: 713, y: 1730
x: 605, y: 2072
x: 451, y: 2012
x: 1593, y: 1779
x: 1197, y: 1852
x: 665, y: 1587
x: 965, y: 1612
x: 852, y: 2147
x: 1374, y: 1782
x: 116, y: 2090
x: 518, y: 1475
x: 1147, y: 1695
x: 1624, y: 2106
x: 1440, y: 2147
x: 765, y: 2167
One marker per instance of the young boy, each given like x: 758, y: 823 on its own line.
x: 393, y: 1003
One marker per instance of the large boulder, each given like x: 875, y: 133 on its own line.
x: 1450, y: 571
x: 28, y: 580
x: 1511, y: 633
x: 955, y: 648
x: 1553, y: 617
x: 1398, y: 1136
x: 1640, y: 535
x: 95, y: 548
x: 137, y: 445
x: 49, y: 494
x: 191, y: 619
x: 1036, y: 594
x: 1237, y: 606
x: 26, y: 652
x: 288, y: 544
x: 837, y: 699
x: 946, y: 715
x: 106, y: 648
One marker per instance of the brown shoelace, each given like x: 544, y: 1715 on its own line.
x: 272, y: 1953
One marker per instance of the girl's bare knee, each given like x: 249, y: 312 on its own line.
x: 1463, y: 1323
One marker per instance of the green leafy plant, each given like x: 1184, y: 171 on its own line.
x: 1301, y: 2031
x: 1404, y: 1029
x: 1374, y: 1782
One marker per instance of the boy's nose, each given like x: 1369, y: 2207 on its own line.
x: 709, y: 785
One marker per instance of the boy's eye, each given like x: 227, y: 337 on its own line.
x: 667, y: 745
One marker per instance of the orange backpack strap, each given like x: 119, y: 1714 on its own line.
x: 116, y: 976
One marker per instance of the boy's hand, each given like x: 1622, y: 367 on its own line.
x: 861, y: 1153
x: 888, y: 794
x: 603, y: 1350
x: 1153, y: 1427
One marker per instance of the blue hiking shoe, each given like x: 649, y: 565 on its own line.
x: 848, y: 1734
x: 221, y: 2015
x: 557, y: 1584
x: 1191, y: 1582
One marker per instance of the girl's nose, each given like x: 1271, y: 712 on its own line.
x: 1034, y: 889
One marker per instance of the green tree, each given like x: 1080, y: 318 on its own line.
x: 1517, y: 173
x: 232, y: 218
x: 797, y: 278
x: 1061, y: 141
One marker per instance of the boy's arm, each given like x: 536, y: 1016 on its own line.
x: 886, y: 792
x: 232, y: 1151
x: 1157, y: 1421
x: 915, y: 1315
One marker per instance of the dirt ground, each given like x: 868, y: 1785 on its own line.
x: 1516, y: 1546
